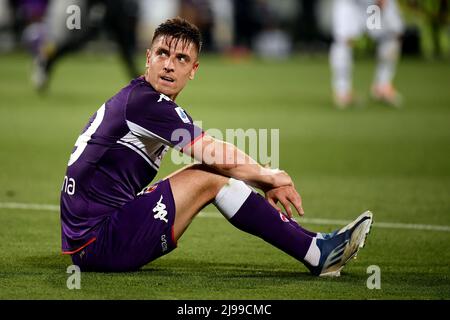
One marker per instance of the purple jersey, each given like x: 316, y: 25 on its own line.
x: 117, y: 155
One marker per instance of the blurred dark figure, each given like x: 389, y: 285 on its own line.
x: 250, y: 17
x: 199, y: 12
x: 306, y: 29
x: 272, y: 40
x: 118, y: 17
x: 245, y: 23
x: 27, y: 16
x: 307, y: 21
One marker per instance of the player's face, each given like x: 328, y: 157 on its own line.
x: 170, y: 64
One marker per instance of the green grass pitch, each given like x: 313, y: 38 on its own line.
x: 393, y: 162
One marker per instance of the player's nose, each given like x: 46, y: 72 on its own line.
x: 169, y: 65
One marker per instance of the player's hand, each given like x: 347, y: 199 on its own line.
x: 282, y: 179
x: 286, y: 195
x: 278, y: 178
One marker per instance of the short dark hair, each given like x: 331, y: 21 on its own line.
x: 179, y: 29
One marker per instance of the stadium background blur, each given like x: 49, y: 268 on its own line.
x: 265, y: 66
x: 269, y: 28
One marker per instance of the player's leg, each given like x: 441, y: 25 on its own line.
x: 193, y: 188
x: 205, y: 184
x: 250, y: 212
x: 56, y: 46
x: 253, y: 214
x: 121, y: 21
x: 388, y: 53
x: 346, y: 27
x: 388, y: 50
x: 341, y: 62
x: 196, y: 186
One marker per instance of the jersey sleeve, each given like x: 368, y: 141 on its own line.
x: 153, y: 115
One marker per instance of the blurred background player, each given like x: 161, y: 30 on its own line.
x: 349, y: 21
x: 26, y: 21
x: 118, y: 17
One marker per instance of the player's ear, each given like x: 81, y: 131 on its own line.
x: 147, y: 60
x: 194, y: 70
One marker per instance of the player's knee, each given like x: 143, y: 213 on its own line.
x: 211, y: 180
x: 389, y: 49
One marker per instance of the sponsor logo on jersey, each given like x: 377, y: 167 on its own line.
x: 163, y: 97
x: 160, y: 210
x: 183, y: 116
x: 163, y: 243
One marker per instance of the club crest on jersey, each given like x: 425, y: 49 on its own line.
x: 283, y: 217
x: 147, y: 190
x: 183, y: 116
x: 160, y: 210
x: 150, y: 189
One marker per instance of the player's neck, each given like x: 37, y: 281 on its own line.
x: 146, y: 78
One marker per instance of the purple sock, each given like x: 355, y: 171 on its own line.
x: 309, y: 233
x: 250, y: 212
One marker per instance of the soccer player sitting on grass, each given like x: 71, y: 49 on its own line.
x: 111, y: 222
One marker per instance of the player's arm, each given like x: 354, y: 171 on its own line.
x: 230, y: 161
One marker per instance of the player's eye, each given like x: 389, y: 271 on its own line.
x: 162, y: 53
x: 182, y: 58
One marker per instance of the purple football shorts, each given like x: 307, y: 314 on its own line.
x: 134, y: 235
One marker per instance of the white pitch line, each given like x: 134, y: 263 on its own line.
x: 29, y: 206
x: 210, y: 214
